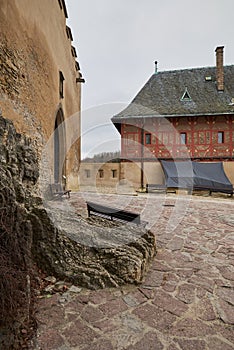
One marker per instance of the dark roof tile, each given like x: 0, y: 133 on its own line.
x: 161, y: 95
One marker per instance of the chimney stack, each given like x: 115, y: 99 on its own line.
x: 219, y: 68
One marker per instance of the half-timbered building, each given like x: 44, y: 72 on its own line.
x: 181, y: 114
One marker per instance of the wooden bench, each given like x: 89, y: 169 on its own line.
x: 57, y: 191
x: 221, y: 190
x: 114, y: 213
x: 156, y: 187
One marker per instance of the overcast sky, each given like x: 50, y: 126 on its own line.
x: 117, y: 43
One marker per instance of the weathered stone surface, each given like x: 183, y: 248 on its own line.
x: 90, y: 253
x: 150, y: 342
x: 186, y: 293
x: 101, y: 344
x: 155, y: 317
x: 52, y: 341
x: 226, y: 294
x: 113, y: 307
x: 227, y: 271
x: 205, y: 310
x: 168, y: 303
x: 175, y: 244
x: 133, y: 313
x: 78, y: 333
x: 191, y: 328
x: 94, y: 253
x: 217, y: 344
x: 225, y: 311
x: 193, y: 344
x: 18, y: 174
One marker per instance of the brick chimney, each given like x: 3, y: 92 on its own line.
x: 219, y: 68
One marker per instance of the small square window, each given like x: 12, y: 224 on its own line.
x: 87, y: 172
x: 114, y: 173
x: 220, y: 137
x: 101, y: 173
x: 148, y: 139
x: 183, y: 138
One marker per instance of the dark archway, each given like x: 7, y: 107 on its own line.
x: 59, y: 148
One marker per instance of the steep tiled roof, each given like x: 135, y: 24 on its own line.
x: 163, y: 94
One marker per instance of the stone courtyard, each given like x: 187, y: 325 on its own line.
x: 186, y: 300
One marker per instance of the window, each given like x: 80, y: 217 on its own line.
x: 87, y: 172
x: 61, y: 80
x: 183, y: 138
x: 73, y: 51
x: 63, y: 7
x: 60, y: 4
x: 69, y: 33
x: 101, y: 173
x: 148, y: 139
x: 220, y: 137
x: 186, y: 96
x: 77, y: 66
x: 114, y: 173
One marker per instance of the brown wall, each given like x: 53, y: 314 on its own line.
x: 34, y: 47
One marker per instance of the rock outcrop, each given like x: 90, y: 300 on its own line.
x: 18, y: 175
x: 87, y: 252
x: 94, y: 253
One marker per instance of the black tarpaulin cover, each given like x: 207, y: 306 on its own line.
x: 189, y: 174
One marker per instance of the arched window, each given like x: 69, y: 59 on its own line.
x: 59, y: 148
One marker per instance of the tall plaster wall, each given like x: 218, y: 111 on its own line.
x: 34, y: 47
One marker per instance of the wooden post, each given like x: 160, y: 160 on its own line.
x: 142, y: 156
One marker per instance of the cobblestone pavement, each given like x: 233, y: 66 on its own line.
x: 187, y: 298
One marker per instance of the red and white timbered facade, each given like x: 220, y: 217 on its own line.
x: 199, y: 137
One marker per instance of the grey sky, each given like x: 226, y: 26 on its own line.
x: 118, y: 41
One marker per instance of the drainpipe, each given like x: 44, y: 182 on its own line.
x: 142, y: 155
x: 156, y: 67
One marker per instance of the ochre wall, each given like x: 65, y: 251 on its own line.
x: 229, y: 171
x: 34, y: 47
x: 130, y: 172
x: 95, y: 183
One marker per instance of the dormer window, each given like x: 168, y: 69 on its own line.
x: 186, y: 96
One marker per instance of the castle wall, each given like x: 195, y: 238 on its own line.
x: 34, y: 48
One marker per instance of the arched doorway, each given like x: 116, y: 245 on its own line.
x: 59, y: 148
